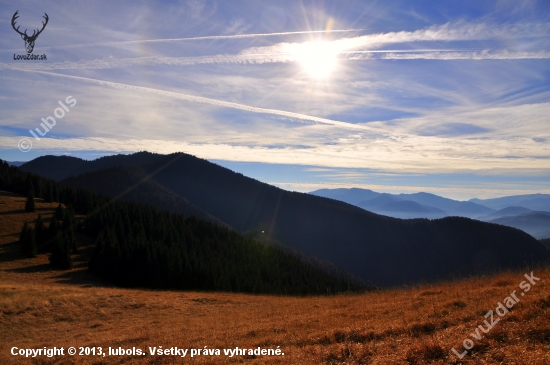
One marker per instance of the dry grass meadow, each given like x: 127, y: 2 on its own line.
x: 40, y: 307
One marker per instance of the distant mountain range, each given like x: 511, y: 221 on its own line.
x: 378, y: 249
x: 536, y: 223
x: 393, y: 206
x: 531, y: 201
x: 529, y: 213
x: 507, y: 212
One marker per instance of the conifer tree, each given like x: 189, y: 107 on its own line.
x: 96, y: 264
x: 30, y: 186
x: 48, y: 193
x: 29, y: 204
x: 55, y: 193
x: 53, y: 228
x: 27, y: 241
x: 37, y: 189
x: 40, y: 233
x: 67, y: 218
x: 23, y: 231
x: 71, y: 239
x: 59, y: 212
x: 68, y: 226
x: 61, y: 252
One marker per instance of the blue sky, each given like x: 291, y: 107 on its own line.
x: 450, y: 97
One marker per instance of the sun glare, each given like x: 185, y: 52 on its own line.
x: 317, y: 58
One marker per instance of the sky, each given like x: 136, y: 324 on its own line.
x: 449, y: 97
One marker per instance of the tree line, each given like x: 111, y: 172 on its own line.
x: 58, y: 238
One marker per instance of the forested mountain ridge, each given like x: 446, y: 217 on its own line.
x: 378, y: 249
x: 140, y: 246
x: 61, y: 167
x: 131, y: 183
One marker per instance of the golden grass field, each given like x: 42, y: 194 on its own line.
x: 40, y: 307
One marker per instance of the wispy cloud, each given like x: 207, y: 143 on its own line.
x: 459, y: 55
x: 181, y: 76
x: 110, y: 62
x: 354, y: 48
x: 219, y: 103
x: 393, y: 153
x: 460, y: 31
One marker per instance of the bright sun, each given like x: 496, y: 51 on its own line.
x: 317, y: 58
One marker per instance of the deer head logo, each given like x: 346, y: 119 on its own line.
x: 29, y: 40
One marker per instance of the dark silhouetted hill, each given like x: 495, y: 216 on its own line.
x: 61, y: 167
x: 326, y: 266
x: 378, y: 249
x: 140, y: 246
x: 133, y: 184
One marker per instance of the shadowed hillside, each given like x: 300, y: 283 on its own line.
x: 133, y: 184
x: 42, y: 307
x: 378, y: 249
x: 139, y: 246
x: 61, y: 167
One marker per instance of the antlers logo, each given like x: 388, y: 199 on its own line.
x: 29, y: 40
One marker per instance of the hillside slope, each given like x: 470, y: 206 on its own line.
x: 61, y: 167
x: 41, y: 307
x: 133, y: 184
x: 139, y: 246
x: 378, y: 249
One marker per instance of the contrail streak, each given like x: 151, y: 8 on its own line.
x: 212, y: 37
x: 219, y: 103
x: 260, y: 58
x: 454, y: 55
